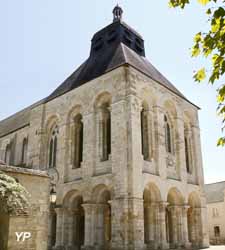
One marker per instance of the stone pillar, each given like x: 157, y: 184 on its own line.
x: 179, y: 226
x: 173, y: 211
x: 59, y: 228
x: 202, y: 213
x: 136, y: 224
x: 157, y: 226
x: 99, y: 135
x: 162, y: 222
x: 151, y: 222
x: 180, y: 149
x: 185, y: 239
x: 119, y: 214
x: 160, y: 142
x: 66, y: 226
x: 197, y: 164
x: 72, y: 224
x: 88, y: 235
x: 147, y: 229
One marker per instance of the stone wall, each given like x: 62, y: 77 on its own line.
x: 36, y: 221
x: 216, y: 218
x: 117, y: 186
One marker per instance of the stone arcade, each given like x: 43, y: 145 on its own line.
x: 126, y: 144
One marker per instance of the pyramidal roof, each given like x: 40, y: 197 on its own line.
x: 113, y: 46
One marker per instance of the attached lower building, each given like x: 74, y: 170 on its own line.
x: 215, y: 194
x: 126, y: 146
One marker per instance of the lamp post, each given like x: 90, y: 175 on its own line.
x: 53, y: 195
x: 54, y: 176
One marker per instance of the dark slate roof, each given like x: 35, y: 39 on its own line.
x: 215, y: 192
x: 17, y: 121
x: 114, y: 58
x: 113, y: 46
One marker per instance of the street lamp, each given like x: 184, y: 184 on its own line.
x: 53, y: 196
x: 54, y: 177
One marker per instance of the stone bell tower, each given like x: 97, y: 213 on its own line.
x: 126, y: 145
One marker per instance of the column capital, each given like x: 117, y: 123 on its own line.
x: 163, y: 203
x: 102, y: 206
x: 59, y: 210
x: 185, y: 207
x: 88, y: 206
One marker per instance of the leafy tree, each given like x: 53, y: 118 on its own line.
x: 13, y: 196
x: 211, y: 44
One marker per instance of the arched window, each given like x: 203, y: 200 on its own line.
x: 24, y: 152
x: 78, y: 141
x: 187, y: 158
x: 144, y: 134
x: 168, y: 139
x: 8, y: 154
x: 106, y: 132
x: 53, y: 148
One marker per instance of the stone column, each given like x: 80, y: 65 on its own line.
x: 180, y: 150
x: 179, y: 225
x: 157, y: 226
x: 66, y: 226
x: 197, y: 152
x: 147, y: 223
x: 101, y: 238
x: 88, y: 235
x: 204, y: 228
x: 136, y: 223
x: 72, y: 223
x: 99, y: 135
x: 185, y: 239
x: 151, y: 222
x: 160, y: 142
x: 162, y: 222
x: 59, y: 228
x: 174, y: 225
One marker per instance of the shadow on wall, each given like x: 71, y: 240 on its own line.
x: 4, y: 230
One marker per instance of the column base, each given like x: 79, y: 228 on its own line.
x: 204, y: 244
x: 165, y: 245
x: 87, y: 248
x: 129, y: 247
x: 188, y: 245
x: 58, y: 248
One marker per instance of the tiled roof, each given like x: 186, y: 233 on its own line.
x: 215, y: 192
x: 113, y: 46
x: 17, y: 121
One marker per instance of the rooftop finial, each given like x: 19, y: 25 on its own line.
x: 117, y: 13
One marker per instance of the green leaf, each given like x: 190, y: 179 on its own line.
x: 221, y: 142
x: 198, y: 37
x: 195, y: 50
x: 215, y: 26
x: 200, y: 75
x: 221, y: 94
x: 203, y: 2
x: 209, y: 12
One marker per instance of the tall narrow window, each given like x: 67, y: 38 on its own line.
x: 144, y: 135
x: 8, y: 154
x: 78, y: 141
x: 53, y: 148
x: 24, y: 152
x: 168, y: 135
x: 187, y: 155
x: 106, y: 133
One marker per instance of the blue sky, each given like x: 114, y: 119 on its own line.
x: 43, y: 41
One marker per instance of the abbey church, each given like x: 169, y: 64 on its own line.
x: 125, y: 144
